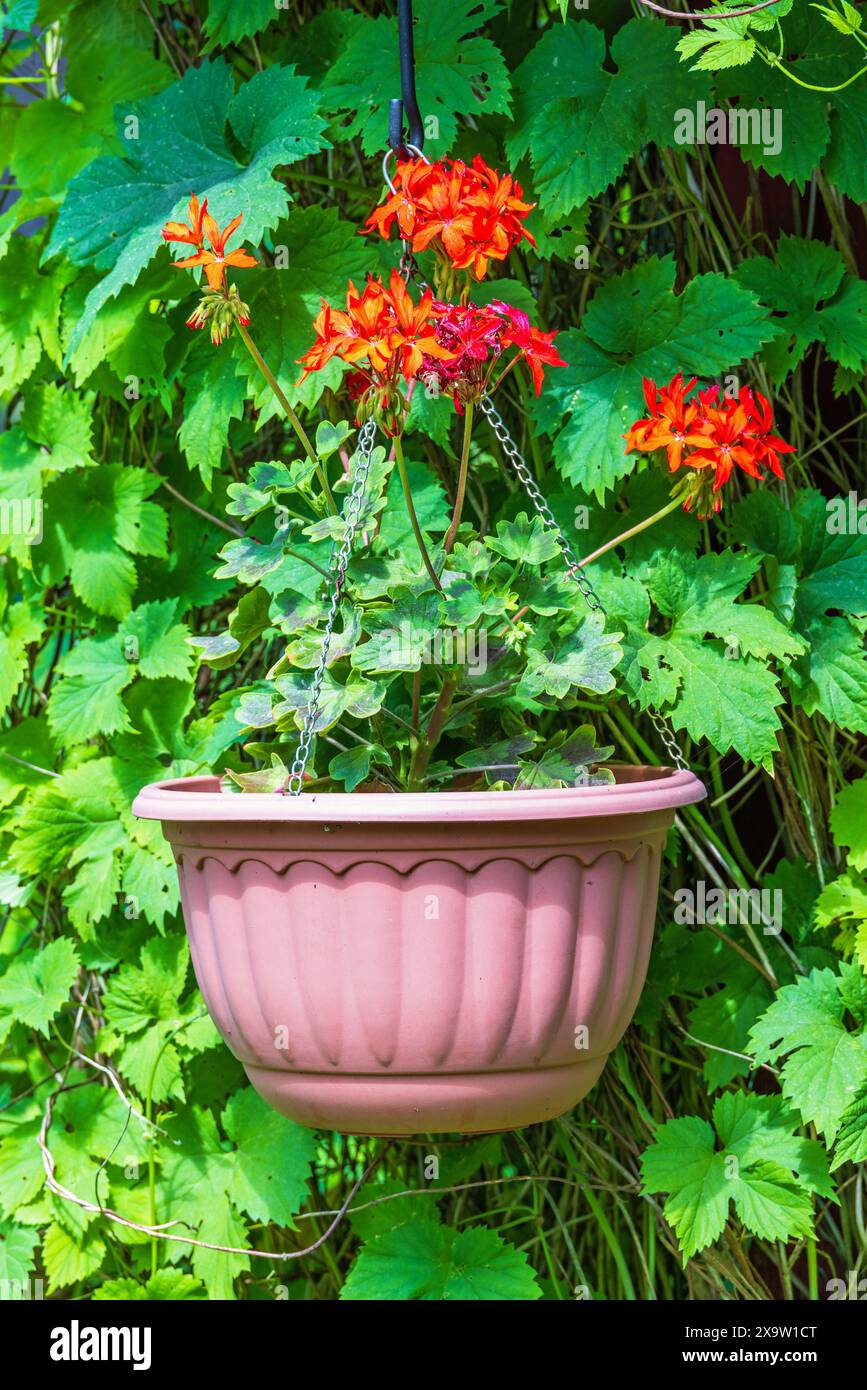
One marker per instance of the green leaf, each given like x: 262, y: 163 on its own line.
x: 832, y: 560
x: 564, y: 85
x: 524, y: 541
x: 21, y: 629
x: 166, y: 1284
x: 16, y: 1254
x: 814, y: 301
x: 221, y: 1225
x: 29, y: 315
x: 270, y: 1168
x: 458, y: 72
x: 71, y: 813
x: 329, y: 438
x: 716, y: 689
x: 683, y: 1162
x: 150, y: 884
x: 176, y: 143
x: 139, y: 996
x: 68, y: 1258
x: 36, y: 985
x: 583, y: 659
x: 832, y: 677
x: 60, y: 420
x: 214, y: 396
x: 353, y: 767
x: 759, y: 1165
x: 358, y: 697
x: 87, y: 699
x: 108, y: 58
x: 849, y: 822
x: 227, y: 22
x: 97, y: 519
x: 431, y: 1262
x: 803, y: 131
x: 401, y: 638
x: 851, y: 1145
x: 843, y: 164
x: 825, y: 1062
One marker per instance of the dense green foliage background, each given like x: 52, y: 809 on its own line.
x: 130, y: 430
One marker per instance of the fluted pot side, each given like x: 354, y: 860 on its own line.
x: 395, y: 965
x: 436, y: 969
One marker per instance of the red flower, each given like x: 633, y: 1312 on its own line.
x: 672, y: 422
x: 469, y: 212
x: 709, y: 436
x: 535, y: 346
x: 768, y: 446
x: 477, y: 337
x: 724, y: 443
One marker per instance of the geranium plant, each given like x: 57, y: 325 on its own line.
x: 449, y: 653
x: 455, y: 658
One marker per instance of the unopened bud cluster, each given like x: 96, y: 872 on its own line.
x: 221, y: 309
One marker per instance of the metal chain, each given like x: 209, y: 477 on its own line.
x: 337, y: 575
x: 574, y: 568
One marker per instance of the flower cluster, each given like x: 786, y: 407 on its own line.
x: 448, y: 347
x: 475, y: 339
x: 221, y: 310
x: 709, y: 435
x: 383, y: 333
x: 469, y: 213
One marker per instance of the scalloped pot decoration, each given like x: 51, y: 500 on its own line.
x: 456, y: 961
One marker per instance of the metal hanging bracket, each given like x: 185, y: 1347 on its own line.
x: 407, y: 102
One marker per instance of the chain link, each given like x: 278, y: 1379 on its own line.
x: 337, y: 575
x: 574, y: 568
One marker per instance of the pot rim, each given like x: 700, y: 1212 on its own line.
x: 637, y: 790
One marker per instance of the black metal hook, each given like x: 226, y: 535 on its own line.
x: 408, y: 101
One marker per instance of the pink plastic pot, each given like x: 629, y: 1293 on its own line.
x: 393, y: 964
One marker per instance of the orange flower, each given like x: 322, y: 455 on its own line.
x: 709, y: 436
x: 468, y: 212
x: 672, y: 424
x: 216, y: 260
x: 179, y: 231
x: 382, y: 327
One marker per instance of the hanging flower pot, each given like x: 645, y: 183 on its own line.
x: 422, y: 959
x: 460, y: 961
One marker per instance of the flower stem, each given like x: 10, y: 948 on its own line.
x: 462, y: 479
x: 426, y: 745
x: 634, y: 530
x: 401, y: 468
x: 289, y: 412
